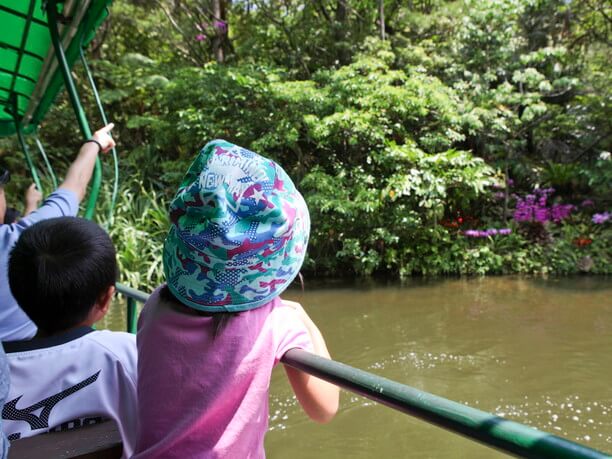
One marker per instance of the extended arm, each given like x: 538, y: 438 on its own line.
x: 80, y: 171
x: 318, y: 398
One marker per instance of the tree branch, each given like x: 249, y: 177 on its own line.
x: 287, y: 33
x: 592, y: 145
x: 192, y: 53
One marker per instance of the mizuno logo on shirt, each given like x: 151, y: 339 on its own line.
x: 12, y: 413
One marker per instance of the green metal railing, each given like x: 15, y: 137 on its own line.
x: 26, y: 155
x: 132, y: 296
x: 45, y: 158
x: 52, y: 22
x: 14, y: 111
x: 52, y: 17
x: 493, y: 431
x: 94, y: 90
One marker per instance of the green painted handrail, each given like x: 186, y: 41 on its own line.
x: 28, y: 158
x: 43, y: 154
x: 488, y: 429
x: 132, y: 296
x: 52, y: 18
x: 130, y: 292
x: 94, y: 90
x: 13, y: 109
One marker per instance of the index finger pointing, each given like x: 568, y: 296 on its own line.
x: 106, y: 129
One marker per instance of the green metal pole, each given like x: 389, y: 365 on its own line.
x: 94, y: 90
x: 132, y: 292
x: 13, y: 110
x: 28, y: 158
x: 45, y: 158
x: 488, y: 429
x: 133, y: 296
x: 132, y: 323
x: 52, y: 17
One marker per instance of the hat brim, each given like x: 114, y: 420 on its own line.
x: 174, y: 270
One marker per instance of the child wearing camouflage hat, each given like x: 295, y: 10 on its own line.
x: 209, y: 338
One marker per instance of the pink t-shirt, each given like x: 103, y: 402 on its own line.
x: 200, y: 397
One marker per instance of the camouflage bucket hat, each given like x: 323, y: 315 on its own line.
x: 239, y: 231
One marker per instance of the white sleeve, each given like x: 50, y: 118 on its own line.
x: 121, y: 348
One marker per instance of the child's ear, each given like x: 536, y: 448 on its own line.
x: 104, y: 300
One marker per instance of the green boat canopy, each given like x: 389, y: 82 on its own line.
x: 30, y: 78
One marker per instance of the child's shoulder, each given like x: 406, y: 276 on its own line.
x: 286, y: 307
x: 113, y: 338
x: 286, y: 312
x: 121, y: 344
x: 117, y: 349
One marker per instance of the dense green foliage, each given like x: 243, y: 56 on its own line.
x: 399, y: 145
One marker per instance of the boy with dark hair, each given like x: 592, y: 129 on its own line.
x: 64, y: 201
x: 62, y: 272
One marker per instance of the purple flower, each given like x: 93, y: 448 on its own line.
x: 542, y: 200
x: 541, y: 215
x: 560, y: 211
x: 599, y: 219
x: 533, y: 208
x: 221, y: 25
x: 587, y: 203
x: 525, y: 209
x: 487, y: 233
x: 200, y: 37
x: 510, y: 182
x: 499, y: 195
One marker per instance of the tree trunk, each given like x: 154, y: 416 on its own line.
x: 381, y: 17
x: 341, y: 13
x: 221, y: 26
x: 340, y: 27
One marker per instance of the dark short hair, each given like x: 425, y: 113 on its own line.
x: 59, y: 268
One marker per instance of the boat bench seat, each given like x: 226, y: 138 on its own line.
x: 99, y: 441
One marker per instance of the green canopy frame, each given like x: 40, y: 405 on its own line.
x: 39, y: 42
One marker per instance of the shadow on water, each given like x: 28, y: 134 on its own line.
x: 574, y: 283
x: 368, y: 283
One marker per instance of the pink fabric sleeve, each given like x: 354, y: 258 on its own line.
x: 289, y: 332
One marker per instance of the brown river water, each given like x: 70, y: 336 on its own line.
x: 532, y: 350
